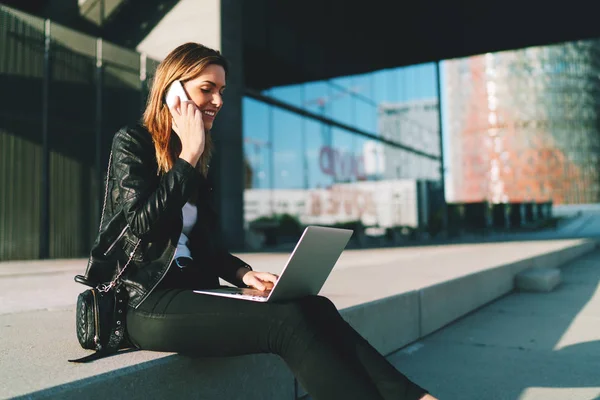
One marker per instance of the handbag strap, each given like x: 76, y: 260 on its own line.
x: 105, y: 191
x: 104, y: 287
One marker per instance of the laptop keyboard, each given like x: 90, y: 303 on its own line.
x: 253, y: 292
x: 247, y: 292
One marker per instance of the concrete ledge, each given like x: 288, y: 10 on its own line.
x: 443, y: 303
x: 255, y: 377
x: 34, y: 365
x: 538, y: 280
x: 35, y: 345
x: 446, y: 302
x: 388, y: 324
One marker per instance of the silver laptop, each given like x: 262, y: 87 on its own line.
x: 306, y: 270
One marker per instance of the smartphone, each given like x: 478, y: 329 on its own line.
x: 176, y: 89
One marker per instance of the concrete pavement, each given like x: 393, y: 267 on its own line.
x: 393, y: 296
x: 526, y: 346
x: 49, y: 285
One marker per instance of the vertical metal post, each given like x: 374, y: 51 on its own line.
x: 45, y: 203
x: 441, y: 138
x: 98, y: 132
x: 303, y: 136
x: 143, y: 83
x: 271, y: 148
x: 101, y: 22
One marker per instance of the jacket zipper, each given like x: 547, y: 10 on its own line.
x: 161, y: 278
x: 167, y: 270
x: 116, y: 240
x: 96, y: 322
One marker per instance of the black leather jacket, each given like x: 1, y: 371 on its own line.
x: 144, y: 205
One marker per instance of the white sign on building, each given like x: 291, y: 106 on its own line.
x: 376, y: 203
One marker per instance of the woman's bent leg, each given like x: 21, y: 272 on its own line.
x: 390, y: 382
x: 189, y: 323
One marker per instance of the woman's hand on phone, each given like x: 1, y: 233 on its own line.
x: 188, y: 124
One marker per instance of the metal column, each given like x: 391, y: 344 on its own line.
x: 45, y: 203
x: 98, y: 133
x: 442, y: 167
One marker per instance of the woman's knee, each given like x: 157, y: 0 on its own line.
x: 318, y: 304
x: 307, y: 310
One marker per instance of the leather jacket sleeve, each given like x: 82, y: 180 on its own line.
x: 146, y: 204
x: 232, y: 269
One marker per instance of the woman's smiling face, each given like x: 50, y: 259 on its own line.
x: 206, y: 91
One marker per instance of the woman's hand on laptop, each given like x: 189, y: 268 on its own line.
x: 260, y: 280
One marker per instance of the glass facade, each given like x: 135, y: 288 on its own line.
x: 69, y: 93
x: 349, y: 150
x: 520, y: 126
x: 523, y: 125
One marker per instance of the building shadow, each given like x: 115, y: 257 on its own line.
x: 521, y: 346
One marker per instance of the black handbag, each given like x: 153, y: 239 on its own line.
x: 101, y: 310
x: 100, y: 321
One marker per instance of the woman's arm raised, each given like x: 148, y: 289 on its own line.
x: 146, y: 203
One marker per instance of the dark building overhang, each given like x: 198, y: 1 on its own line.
x: 336, y: 37
x: 290, y: 42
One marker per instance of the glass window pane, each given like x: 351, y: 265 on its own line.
x: 366, y: 106
x: 287, y: 150
x: 427, y: 81
x: 341, y: 104
x: 393, y: 84
x: 343, y: 82
x: 317, y: 150
x: 345, y: 164
x: 316, y: 97
x: 380, y: 88
x: 365, y: 86
x: 289, y: 94
x: 366, y: 117
x: 256, y: 143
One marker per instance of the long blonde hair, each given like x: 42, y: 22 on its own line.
x: 184, y: 63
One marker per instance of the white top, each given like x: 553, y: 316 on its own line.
x: 190, y: 215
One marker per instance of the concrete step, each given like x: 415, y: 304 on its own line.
x: 391, y: 304
x: 526, y: 346
x: 538, y: 280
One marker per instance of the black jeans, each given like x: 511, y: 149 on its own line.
x: 327, y: 356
